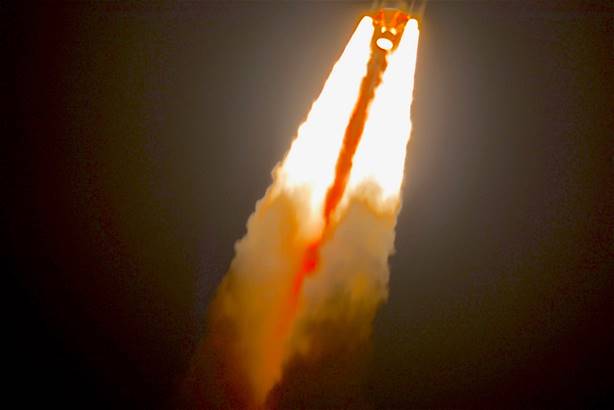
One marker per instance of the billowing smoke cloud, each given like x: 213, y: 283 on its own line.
x: 301, y: 293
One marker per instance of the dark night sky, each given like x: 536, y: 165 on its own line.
x: 140, y: 136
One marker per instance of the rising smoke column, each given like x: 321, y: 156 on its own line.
x: 314, y: 259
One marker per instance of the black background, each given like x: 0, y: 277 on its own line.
x: 139, y: 136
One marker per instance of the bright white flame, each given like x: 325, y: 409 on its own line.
x: 380, y: 156
x: 310, y: 163
x: 384, y: 43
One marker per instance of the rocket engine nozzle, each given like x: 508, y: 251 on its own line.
x: 389, y: 25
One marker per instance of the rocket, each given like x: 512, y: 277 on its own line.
x: 389, y: 19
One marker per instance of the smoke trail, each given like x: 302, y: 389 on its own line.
x: 312, y: 269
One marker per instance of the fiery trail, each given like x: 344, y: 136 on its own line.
x: 381, y: 155
x: 316, y: 249
x: 353, y: 133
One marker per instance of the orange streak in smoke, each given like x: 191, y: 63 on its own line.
x: 310, y: 261
x: 308, y: 265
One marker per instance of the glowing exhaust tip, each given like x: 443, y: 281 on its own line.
x: 384, y: 43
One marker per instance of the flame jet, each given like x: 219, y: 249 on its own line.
x: 340, y: 299
x: 314, y: 258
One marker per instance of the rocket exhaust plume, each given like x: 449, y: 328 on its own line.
x: 308, y: 276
